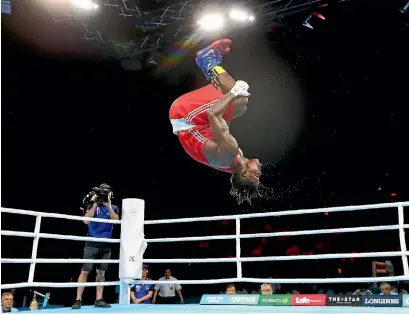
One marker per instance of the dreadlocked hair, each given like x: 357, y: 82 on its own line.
x: 243, y: 192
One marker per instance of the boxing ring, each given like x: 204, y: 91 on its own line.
x: 133, y: 245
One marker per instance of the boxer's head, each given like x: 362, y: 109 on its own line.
x: 145, y: 271
x: 245, y: 180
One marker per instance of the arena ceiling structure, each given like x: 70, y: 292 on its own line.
x: 128, y: 29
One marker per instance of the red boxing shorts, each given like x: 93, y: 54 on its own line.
x: 188, y: 115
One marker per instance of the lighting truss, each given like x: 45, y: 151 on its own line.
x: 149, y: 30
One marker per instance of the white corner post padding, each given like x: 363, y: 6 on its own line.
x: 132, y: 245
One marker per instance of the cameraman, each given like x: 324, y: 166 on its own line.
x: 99, y: 206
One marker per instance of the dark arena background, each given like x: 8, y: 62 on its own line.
x: 86, y: 93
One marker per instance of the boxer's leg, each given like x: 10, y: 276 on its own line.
x: 209, y: 60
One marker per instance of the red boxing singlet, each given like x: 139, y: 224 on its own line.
x: 190, y: 112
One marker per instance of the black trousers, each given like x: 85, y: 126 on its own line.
x: 166, y: 300
x: 91, y: 252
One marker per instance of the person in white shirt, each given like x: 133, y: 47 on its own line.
x: 166, y: 294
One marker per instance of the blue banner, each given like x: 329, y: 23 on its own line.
x: 382, y: 300
x: 226, y: 299
x: 6, y: 6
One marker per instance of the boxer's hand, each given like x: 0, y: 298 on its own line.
x: 94, y: 198
x: 240, y: 89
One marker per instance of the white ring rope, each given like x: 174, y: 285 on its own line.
x: 53, y: 215
x: 401, y: 226
x: 55, y: 236
x: 278, y: 234
x: 207, y: 281
x: 218, y: 237
x: 279, y: 213
x: 57, y: 261
x: 58, y: 284
x: 212, y: 260
x: 213, y: 218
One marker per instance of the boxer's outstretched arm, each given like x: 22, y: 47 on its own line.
x: 226, y: 143
x: 221, y: 105
x: 224, y: 83
x: 220, y: 130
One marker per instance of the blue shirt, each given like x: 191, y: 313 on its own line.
x: 100, y: 229
x: 142, y: 290
x: 11, y: 310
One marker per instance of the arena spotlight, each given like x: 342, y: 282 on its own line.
x: 85, y: 4
x: 320, y: 16
x: 211, y: 22
x: 239, y: 15
x: 306, y: 23
x: 405, y: 8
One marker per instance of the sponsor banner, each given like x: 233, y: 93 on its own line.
x: 343, y: 300
x: 405, y: 300
x: 226, y: 299
x: 275, y: 300
x: 308, y: 299
x: 382, y: 300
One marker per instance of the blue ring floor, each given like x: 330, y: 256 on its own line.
x: 229, y: 309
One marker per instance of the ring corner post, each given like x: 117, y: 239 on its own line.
x: 132, y: 245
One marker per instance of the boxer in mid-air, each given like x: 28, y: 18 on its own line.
x: 201, y: 120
